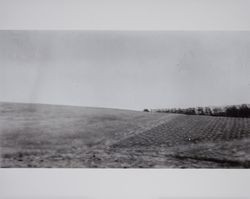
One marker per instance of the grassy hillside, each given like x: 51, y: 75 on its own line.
x: 33, y: 135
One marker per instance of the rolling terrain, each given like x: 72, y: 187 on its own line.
x: 36, y: 135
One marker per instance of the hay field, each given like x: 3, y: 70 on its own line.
x: 35, y: 135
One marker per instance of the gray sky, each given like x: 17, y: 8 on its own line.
x: 129, y: 70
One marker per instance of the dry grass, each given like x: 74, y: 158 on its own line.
x: 65, y: 136
x: 62, y: 136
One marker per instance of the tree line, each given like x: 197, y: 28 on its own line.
x: 242, y: 110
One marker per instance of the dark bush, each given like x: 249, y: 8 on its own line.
x: 207, y: 111
x: 218, y: 112
x: 232, y: 111
x: 190, y: 111
x: 244, y: 111
x: 200, y: 111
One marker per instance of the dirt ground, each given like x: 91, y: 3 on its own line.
x: 47, y: 136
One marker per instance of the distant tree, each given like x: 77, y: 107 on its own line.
x: 229, y: 111
x: 218, y: 112
x: 207, y: 111
x: 146, y: 110
x: 173, y: 110
x: 165, y: 110
x: 244, y: 111
x: 199, y: 111
x: 179, y: 110
x: 232, y: 111
x: 190, y: 111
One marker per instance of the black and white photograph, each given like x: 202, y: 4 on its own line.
x: 124, y: 99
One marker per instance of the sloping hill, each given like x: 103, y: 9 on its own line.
x: 36, y: 135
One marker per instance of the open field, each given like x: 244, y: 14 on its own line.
x: 66, y: 136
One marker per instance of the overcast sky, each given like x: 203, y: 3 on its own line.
x: 128, y: 70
